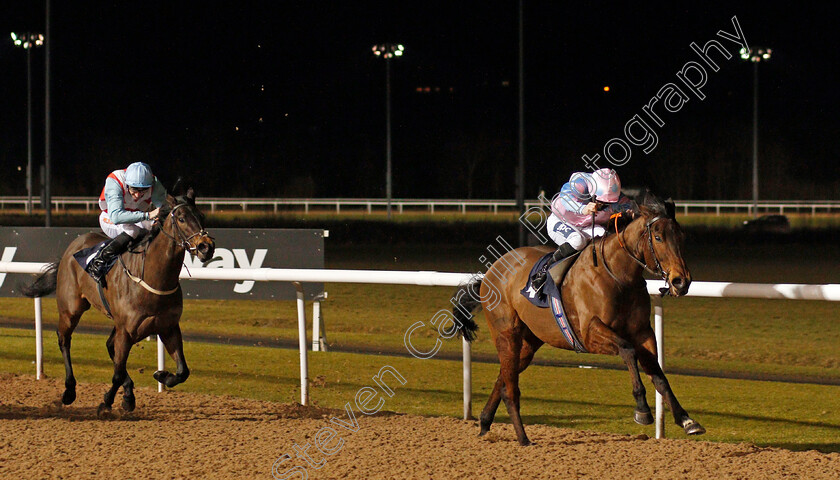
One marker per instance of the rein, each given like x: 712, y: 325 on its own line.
x: 143, y: 283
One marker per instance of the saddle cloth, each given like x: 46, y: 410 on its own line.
x: 86, y: 255
x: 549, y: 295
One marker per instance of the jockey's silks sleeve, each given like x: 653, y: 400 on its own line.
x: 115, y: 199
x: 158, y: 194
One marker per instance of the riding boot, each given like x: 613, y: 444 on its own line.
x: 562, y: 252
x: 97, y: 266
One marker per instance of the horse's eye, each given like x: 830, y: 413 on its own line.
x: 181, y: 219
x: 658, y: 238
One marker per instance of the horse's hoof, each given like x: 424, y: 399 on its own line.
x: 643, y: 418
x: 693, y: 428
x: 525, y: 442
x: 103, y: 411
x: 161, y: 375
x: 128, y: 404
x: 68, y: 397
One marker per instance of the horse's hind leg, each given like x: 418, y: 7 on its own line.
x: 68, y: 318
x: 509, y: 346
x: 129, y: 402
x: 175, y: 346
x: 122, y: 347
x: 647, y: 359
x: 530, y: 345
x: 603, y: 340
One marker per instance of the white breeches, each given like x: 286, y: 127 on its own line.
x: 112, y: 230
x: 562, y: 233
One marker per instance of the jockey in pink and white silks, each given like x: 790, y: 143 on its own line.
x: 130, y: 201
x: 581, y: 210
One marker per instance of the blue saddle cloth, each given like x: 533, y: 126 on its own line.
x: 549, y: 295
x: 86, y: 255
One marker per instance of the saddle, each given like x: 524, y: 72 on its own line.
x: 549, y: 295
x: 86, y: 255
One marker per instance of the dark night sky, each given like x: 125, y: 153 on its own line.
x: 169, y: 83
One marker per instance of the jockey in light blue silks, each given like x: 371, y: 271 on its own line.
x: 584, y: 199
x: 130, y: 201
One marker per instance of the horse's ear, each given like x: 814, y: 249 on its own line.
x: 670, y: 208
x: 191, y: 195
x: 177, y: 184
x: 642, y: 201
x: 171, y: 200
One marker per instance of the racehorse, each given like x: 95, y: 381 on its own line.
x: 606, y: 301
x: 146, y: 302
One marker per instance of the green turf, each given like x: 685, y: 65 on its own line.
x: 766, y: 413
x: 721, y: 336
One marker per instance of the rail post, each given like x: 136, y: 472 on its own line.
x: 304, y: 363
x: 39, y: 341
x: 659, y: 331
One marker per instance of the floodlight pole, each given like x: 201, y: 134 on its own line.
x: 520, y: 169
x: 388, y: 51
x: 29, y: 131
x: 755, y: 55
x: 47, y: 193
x: 755, y: 140
x: 27, y: 42
x: 388, y: 133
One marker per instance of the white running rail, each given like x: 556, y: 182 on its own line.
x: 826, y: 292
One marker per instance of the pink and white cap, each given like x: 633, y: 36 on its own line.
x: 607, y: 185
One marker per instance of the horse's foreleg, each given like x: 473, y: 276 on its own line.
x: 129, y: 402
x: 602, y: 339
x: 175, y: 346
x: 122, y: 347
x: 647, y: 358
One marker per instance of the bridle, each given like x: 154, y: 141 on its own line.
x: 184, y: 241
x: 642, y: 262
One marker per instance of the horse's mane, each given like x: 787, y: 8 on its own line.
x: 656, y: 205
x: 651, y: 203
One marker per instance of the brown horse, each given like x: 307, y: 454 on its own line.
x: 606, y: 301
x: 142, y: 290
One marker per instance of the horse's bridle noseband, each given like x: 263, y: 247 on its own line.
x: 184, y: 241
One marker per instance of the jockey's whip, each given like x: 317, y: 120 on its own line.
x: 594, y: 258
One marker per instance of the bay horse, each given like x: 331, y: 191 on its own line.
x: 143, y: 293
x: 606, y: 302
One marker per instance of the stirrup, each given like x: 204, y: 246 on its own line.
x: 95, y: 269
x: 539, y: 280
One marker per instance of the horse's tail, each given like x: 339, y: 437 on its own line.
x: 44, y: 285
x: 465, y: 301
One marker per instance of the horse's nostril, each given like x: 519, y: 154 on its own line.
x: 203, y: 248
x: 677, y: 282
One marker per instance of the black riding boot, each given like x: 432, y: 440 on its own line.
x: 97, y: 266
x: 562, y: 252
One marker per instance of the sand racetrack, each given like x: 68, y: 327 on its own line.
x: 185, y: 435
